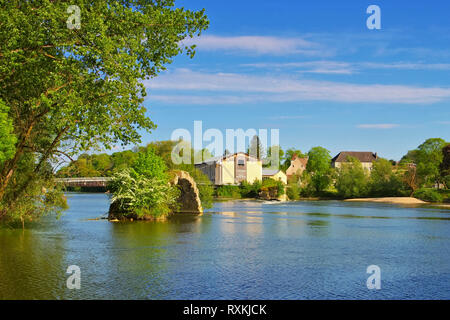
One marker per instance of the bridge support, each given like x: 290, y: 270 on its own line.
x: 189, y: 200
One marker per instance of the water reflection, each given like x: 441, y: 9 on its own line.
x: 237, y: 250
x: 31, y: 267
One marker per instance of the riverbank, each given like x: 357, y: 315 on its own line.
x: 396, y: 200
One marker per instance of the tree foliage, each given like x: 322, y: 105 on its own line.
x: 205, y: 187
x: 445, y: 165
x: 275, y: 156
x: 71, y: 90
x: 384, y: 182
x: 256, y: 148
x: 144, y: 189
x: 428, y: 160
x: 7, y: 137
x: 319, y: 167
x: 293, y: 190
x: 271, y: 188
x: 143, y: 195
x: 351, y: 181
x: 430, y: 195
x: 150, y: 165
x: 250, y: 190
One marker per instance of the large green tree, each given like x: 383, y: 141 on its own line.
x: 256, y: 149
x: 384, y: 181
x: 352, y: 179
x: 428, y: 160
x: 319, y: 167
x: 72, y: 89
x: 445, y: 165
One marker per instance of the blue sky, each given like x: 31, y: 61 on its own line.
x: 313, y: 70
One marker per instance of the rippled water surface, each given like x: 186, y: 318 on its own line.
x: 237, y: 250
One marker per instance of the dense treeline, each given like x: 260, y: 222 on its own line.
x: 423, y: 173
x: 114, y: 165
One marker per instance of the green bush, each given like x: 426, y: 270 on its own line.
x: 250, y: 190
x: 144, y: 189
x: 445, y: 193
x: 293, y: 191
x: 446, y: 181
x: 142, y: 195
x: 273, y: 185
x: 429, y: 195
x: 228, y: 191
x: 307, y: 189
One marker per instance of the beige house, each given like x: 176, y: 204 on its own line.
x: 366, y: 158
x: 298, y: 165
x: 274, y: 174
x: 232, y: 169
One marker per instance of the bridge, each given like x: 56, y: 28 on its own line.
x: 92, y: 182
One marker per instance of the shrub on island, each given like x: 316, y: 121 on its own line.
x: 143, y: 191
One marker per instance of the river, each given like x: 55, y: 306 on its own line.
x: 236, y: 250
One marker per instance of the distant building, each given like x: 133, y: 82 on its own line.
x: 298, y: 165
x: 232, y: 169
x: 366, y: 158
x: 274, y: 174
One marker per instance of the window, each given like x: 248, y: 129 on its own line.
x: 241, y: 162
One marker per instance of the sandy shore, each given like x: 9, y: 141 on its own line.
x: 440, y: 205
x: 397, y: 200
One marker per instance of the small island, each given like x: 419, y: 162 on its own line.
x: 148, y: 191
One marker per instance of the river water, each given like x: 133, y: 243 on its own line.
x: 236, y: 250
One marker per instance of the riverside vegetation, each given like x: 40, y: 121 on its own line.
x: 423, y: 173
x: 65, y: 91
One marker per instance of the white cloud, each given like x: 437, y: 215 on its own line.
x: 378, y: 126
x: 324, y: 67
x: 258, y: 45
x: 407, y: 66
x: 339, y: 67
x: 287, y: 117
x: 231, y: 88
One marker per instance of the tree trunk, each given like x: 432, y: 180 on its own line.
x: 10, y: 166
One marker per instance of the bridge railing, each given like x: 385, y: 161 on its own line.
x: 84, y: 182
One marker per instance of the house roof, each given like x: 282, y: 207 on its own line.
x: 219, y: 158
x: 363, y: 156
x: 269, y: 172
x: 303, y: 161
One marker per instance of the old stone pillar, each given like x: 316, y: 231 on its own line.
x: 189, y: 200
